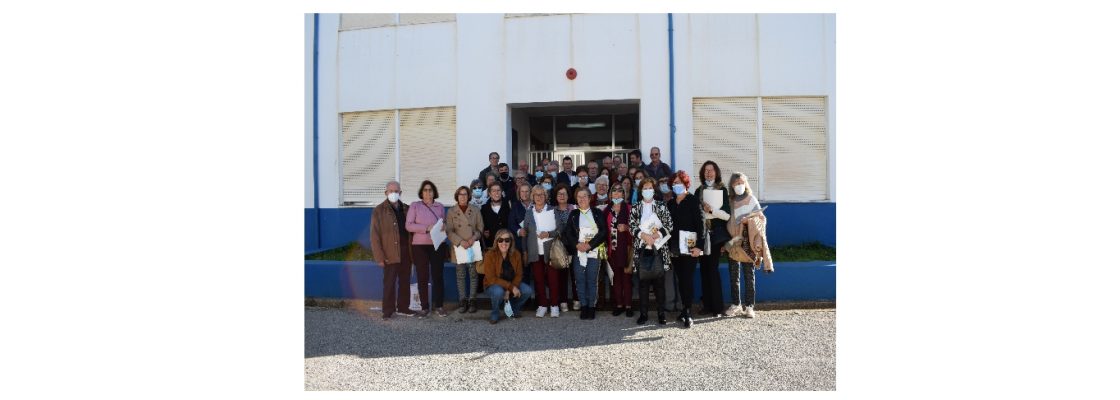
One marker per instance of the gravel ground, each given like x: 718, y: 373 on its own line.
x: 777, y: 350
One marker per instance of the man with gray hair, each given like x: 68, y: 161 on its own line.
x: 388, y: 241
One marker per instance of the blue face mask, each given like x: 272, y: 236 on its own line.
x: 664, y: 188
x: 477, y: 193
x: 616, y: 201
x: 547, y: 186
x: 678, y: 189
x: 647, y: 194
x: 539, y: 174
x: 553, y: 173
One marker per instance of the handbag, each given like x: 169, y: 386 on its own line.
x: 647, y: 265
x: 558, y: 256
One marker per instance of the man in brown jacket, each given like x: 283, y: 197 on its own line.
x: 389, y: 241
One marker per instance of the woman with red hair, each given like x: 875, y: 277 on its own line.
x: 688, y: 218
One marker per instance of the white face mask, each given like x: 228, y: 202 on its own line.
x: 709, y: 183
x: 740, y: 189
x: 591, y: 189
x: 394, y: 197
x: 603, y: 196
x: 647, y: 194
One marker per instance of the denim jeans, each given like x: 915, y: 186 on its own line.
x: 587, y: 281
x: 497, y: 296
x: 748, y: 270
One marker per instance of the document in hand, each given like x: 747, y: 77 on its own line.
x: 546, y: 223
x: 438, y: 236
x: 686, y: 237
x: 714, y: 198
x: 473, y: 254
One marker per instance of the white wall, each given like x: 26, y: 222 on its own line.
x: 483, y: 62
x: 480, y: 105
x: 308, y: 109
x: 330, y: 195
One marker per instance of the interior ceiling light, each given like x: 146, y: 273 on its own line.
x: 586, y: 125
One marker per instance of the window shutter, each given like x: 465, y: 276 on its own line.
x: 412, y: 19
x: 363, y: 21
x: 725, y: 130
x: 368, y: 155
x: 795, y: 148
x: 428, y: 152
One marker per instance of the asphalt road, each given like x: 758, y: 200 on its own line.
x: 777, y: 350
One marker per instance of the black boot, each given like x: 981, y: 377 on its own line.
x: 471, y: 308
x: 583, y: 313
x: 462, y: 306
x: 661, y: 318
x: 642, y: 318
x: 629, y: 313
x: 617, y: 311
x: 591, y: 313
x: 687, y: 319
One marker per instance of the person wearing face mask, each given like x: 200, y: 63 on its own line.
x: 620, y: 252
x: 687, y: 216
x: 602, y: 193
x: 584, y: 236
x: 562, y: 209
x: 388, y: 240
x: 495, y: 215
x: 643, y: 213
x: 422, y: 216
x: 672, y: 289
x: 478, y: 196
x: 509, y: 186
x: 547, y: 183
x: 715, y: 229
x: 464, y: 227
x: 745, y: 204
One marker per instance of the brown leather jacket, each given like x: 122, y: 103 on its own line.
x: 384, y: 234
x: 492, y: 265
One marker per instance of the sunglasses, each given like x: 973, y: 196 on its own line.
x: 505, y: 240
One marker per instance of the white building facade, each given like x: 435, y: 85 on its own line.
x: 411, y: 97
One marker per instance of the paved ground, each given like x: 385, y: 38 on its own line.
x: 777, y: 350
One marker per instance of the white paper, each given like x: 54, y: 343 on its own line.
x: 685, y: 236
x: 661, y: 242
x: 546, y: 223
x: 714, y: 198
x: 473, y: 254
x: 438, y: 236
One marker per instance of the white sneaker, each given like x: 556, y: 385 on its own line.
x: 575, y: 305
x: 564, y: 307
x: 555, y: 312
x: 748, y: 311
x: 540, y: 311
x: 732, y: 310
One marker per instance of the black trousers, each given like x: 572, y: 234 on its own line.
x: 658, y: 285
x: 710, y: 284
x: 429, y: 265
x: 395, y: 276
x: 685, y: 268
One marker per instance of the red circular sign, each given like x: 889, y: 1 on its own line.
x: 571, y: 73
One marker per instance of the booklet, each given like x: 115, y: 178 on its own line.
x: 687, y: 241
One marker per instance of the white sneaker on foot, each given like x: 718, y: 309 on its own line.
x: 748, y: 311
x: 575, y: 305
x: 564, y: 307
x: 732, y: 310
x: 540, y: 311
x: 555, y: 312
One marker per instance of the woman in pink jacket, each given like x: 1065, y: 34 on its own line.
x: 428, y: 257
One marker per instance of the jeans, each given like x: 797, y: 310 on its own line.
x: 733, y: 267
x: 587, y: 281
x: 497, y: 296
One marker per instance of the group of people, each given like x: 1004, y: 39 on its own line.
x: 639, y: 225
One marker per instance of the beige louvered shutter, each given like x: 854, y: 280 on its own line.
x: 795, y: 148
x: 428, y: 151
x: 368, y: 155
x: 363, y: 21
x: 413, y: 19
x: 725, y: 130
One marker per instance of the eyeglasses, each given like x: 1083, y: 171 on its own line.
x: 493, y: 158
x: 505, y: 240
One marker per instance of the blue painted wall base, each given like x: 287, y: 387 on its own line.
x: 814, y: 280
x: 788, y: 224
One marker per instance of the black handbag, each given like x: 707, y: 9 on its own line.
x: 648, y: 267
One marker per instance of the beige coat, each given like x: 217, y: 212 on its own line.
x: 462, y: 226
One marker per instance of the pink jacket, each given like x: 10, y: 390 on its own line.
x: 420, y: 217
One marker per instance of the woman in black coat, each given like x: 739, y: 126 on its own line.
x: 687, y: 216
x: 591, y: 245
